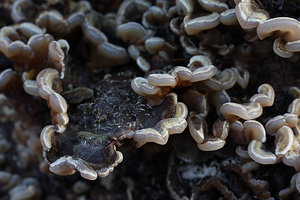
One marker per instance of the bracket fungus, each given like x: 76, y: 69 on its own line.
x: 46, y: 80
x: 284, y: 137
x: 196, y: 25
x: 198, y: 127
x: 213, y: 5
x: 249, y: 15
x: 90, y: 148
x: 218, y: 140
x: 157, y: 86
x: 285, y: 29
x: 257, y: 153
x: 220, y: 13
x: 277, y: 122
x: 251, y: 110
x: 87, y: 82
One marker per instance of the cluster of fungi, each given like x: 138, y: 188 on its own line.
x: 81, y: 79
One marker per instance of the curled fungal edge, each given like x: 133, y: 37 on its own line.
x: 286, y: 29
x: 194, y: 26
x: 251, y: 110
x: 93, y: 152
x: 234, y: 111
x: 275, y: 123
x: 157, y: 86
x: 249, y: 15
x: 218, y: 140
x: 68, y: 165
x: 165, y: 127
x: 265, y: 96
x: 46, y: 79
x: 258, y: 154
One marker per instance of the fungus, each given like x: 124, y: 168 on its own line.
x: 199, y: 131
x: 196, y: 25
x: 198, y: 61
x: 154, y: 44
x: 202, y: 68
x: 220, y: 133
x: 222, y: 80
x: 293, y: 46
x: 161, y: 80
x: 243, y: 153
x: 242, y: 77
x: 237, y: 134
x: 94, y: 35
x: 30, y: 58
x: 290, y: 157
x: 158, y: 48
x: 61, y: 167
x: 53, y: 21
x: 30, y: 87
x: 84, y: 169
x: 197, y: 127
x: 18, y: 9
x: 132, y: 32
x: 29, y: 29
x: 131, y: 8
x: 265, y: 96
x: 75, y: 20
x: 294, y: 107
x: 213, y: 5
x: 154, y: 16
x: 57, y: 103
x: 47, y: 79
x: 95, y: 152
x: 181, y: 73
x: 186, y: 5
x: 283, y: 27
x: 251, y: 110
x: 298, y: 181
x: 211, y: 144
x: 141, y: 86
x: 277, y: 122
x: 111, y: 55
x: 234, y: 111
x: 203, y: 73
x: 188, y: 45
x: 165, y: 127
x: 250, y: 166
x: 249, y: 15
x: 28, y: 189
x: 89, y: 124
x: 199, y: 69
x: 295, y: 92
x: 6, y: 77
x: 254, y: 130
x: 174, y: 26
x: 284, y: 140
x: 46, y: 135
x: 143, y: 64
x: 258, y: 154
x: 280, y: 50
x: 228, y: 17
x: 57, y: 51
x: 221, y: 129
